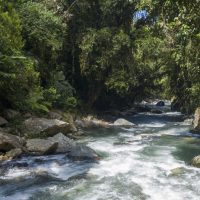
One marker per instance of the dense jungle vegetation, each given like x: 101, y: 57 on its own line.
x: 98, y: 54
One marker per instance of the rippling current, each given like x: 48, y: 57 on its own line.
x: 136, y: 164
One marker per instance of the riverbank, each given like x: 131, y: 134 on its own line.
x: 26, y: 134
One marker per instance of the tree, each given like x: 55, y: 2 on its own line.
x: 19, y: 83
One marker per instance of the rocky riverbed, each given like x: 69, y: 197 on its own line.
x: 150, y: 158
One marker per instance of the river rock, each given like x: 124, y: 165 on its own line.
x: 41, y: 146
x: 123, y: 122
x: 177, y: 171
x: 3, y: 121
x: 160, y: 103
x: 9, y: 142
x: 66, y: 117
x: 196, y: 121
x: 82, y: 152
x: 196, y: 161
x: 64, y: 143
x: 42, y: 127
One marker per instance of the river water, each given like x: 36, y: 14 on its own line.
x: 136, y: 164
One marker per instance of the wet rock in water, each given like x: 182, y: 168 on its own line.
x: 40, y: 173
x: 41, y: 146
x: 42, y: 127
x: 160, y: 103
x: 196, y: 122
x: 81, y: 152
x: 123, y: 122
x: 10, y: 114
x: 3, y: 121
x: 196, y: 161
x: 9, y: 142
x: 177, y: 171
x: 64, y: 143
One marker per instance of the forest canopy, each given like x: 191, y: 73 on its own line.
x: 101, y: 54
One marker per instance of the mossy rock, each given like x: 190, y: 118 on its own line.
x: 177, y: 171
x: 196, y: 161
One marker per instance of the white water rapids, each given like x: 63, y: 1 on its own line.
x: 136, y: 164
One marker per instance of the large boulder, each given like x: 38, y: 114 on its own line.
x: 196, y: 161
x: 9, y: 142
x: 196, y: 121
x: 81, y: 152
x: 64, y: 143
x: 42, y: 127
x: 3, y: 121
x: 123, y: 122
x: 66, y: 117
x: 60, y: 144
x: 41, y: 146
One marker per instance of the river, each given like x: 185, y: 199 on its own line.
x: 136, y: 164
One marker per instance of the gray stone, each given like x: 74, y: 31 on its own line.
x: 82, y: 152
x: 196, y: 121
x: 64, y: 143
x: 123, y: 122
x: 41, y: 146
x: 42, y: 127
x: 9, y: 142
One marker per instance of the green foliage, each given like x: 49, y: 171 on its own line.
x: 177, y: 28
x: 19, y: 83
x: 53, y: 52
x: 66, y: 97
x: 43, y: 31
